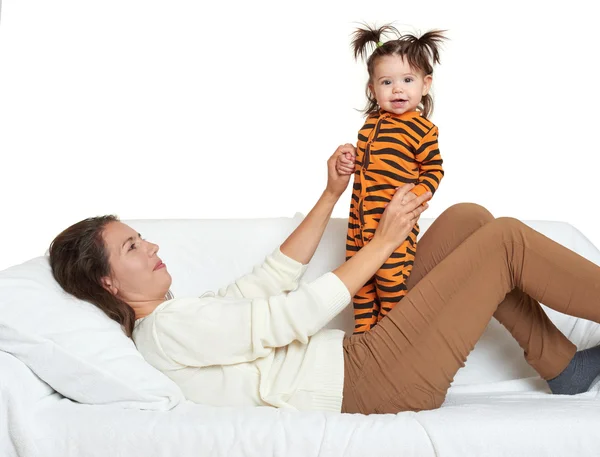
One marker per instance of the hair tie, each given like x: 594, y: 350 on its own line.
x: 379, y: 44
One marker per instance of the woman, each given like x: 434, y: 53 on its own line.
x: 260, y: 340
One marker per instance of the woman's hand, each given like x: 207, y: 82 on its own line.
x: 338, y: 178
x: 398, y: 219
x: 400, y: 215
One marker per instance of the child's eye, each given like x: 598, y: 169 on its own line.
x: 408, y: 80
x: 387, y: 82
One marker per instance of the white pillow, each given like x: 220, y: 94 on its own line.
x: 73, y: 346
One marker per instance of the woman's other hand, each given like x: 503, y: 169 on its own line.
x: 400, y: 215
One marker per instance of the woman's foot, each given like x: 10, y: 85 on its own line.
x: 579, y: 374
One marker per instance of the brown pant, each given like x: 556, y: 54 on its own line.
x: 468, y: 268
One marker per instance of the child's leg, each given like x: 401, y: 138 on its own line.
x: 391, y: 278
x: 414, y: 353
x: 366, y: 307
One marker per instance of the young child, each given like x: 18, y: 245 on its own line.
x: 397, y: 145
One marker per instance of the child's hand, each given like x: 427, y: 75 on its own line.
x: 345, y: 164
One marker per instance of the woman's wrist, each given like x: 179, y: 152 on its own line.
x: 383, y: 246
x: 330, y: 196
x: 356, y: 271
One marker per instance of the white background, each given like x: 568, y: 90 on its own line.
x: 188, y: 109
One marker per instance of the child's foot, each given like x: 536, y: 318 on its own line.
x: 579, y: 374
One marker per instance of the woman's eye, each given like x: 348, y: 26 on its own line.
x: 132, y: 247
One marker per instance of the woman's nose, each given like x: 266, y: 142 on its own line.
x: 152, y: 249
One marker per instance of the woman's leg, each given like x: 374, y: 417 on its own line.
x: 416, y: 351
x: 522, y: 316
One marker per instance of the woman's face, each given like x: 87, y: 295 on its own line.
x: 137, y: 273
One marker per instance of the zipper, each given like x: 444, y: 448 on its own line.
x: 366, y: 160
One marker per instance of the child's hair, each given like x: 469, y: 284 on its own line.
x: 421, y: 53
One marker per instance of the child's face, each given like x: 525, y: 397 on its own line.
x: 397, y: 87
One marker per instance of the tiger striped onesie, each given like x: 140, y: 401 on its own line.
x: 392, y: 150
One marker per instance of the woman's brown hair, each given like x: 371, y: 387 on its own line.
x: 421, y: 53
x: 79, y: 261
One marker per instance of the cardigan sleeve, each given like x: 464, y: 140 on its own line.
x: 277, y: 274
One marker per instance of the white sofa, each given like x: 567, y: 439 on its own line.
x: 497, y: 406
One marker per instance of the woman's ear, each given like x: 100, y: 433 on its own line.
x: 108, y: 284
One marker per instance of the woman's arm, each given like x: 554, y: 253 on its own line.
x: 282, y: 271
x: 243, y: 330
x: 303, y: 242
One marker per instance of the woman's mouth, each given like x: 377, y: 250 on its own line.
x: 159, y: 265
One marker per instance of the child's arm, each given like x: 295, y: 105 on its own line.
x: 430, y: 164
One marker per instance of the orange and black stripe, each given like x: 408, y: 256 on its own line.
x: 392, y: 150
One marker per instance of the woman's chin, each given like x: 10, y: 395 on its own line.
x: 164, y: 279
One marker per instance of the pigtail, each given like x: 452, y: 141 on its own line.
x: 367, y: 37
x: 364, y: 40
x: 423, y: 52
x: 427, y: 106
x: 432, y: 41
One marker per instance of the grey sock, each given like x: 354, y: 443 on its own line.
x: 579, y: 374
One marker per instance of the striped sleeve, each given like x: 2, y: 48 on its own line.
x: 430, y: 163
